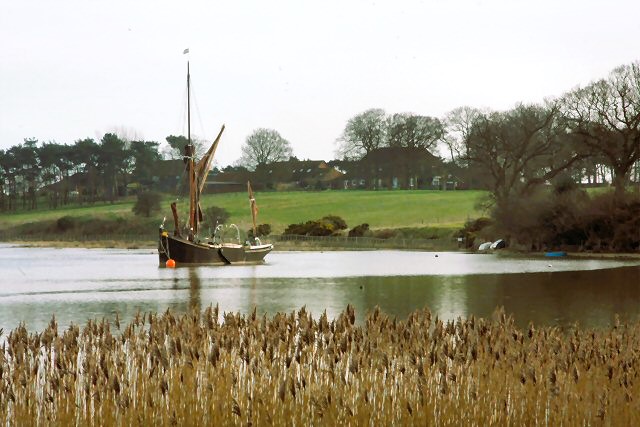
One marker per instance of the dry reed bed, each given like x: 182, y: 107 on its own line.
x: 164, y: 369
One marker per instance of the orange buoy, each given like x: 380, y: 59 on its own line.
x: 170, y: 263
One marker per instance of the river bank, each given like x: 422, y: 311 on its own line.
x: 301, y: 245
x: 582, y: 255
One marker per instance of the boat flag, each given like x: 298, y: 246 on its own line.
x: 184, y: 52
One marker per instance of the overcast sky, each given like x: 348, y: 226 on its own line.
x: 77, y: 69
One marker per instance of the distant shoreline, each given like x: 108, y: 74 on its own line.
x: 288, y: 246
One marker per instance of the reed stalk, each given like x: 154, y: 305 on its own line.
x: 211, y: 368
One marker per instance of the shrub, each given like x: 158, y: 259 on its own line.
x: 321, y: 228
x: 261, y: 230
x: 567, y: 218
x: 147, y: 203
x: 310, y: 228
x: 66, y: 223
x: 337, y: 222
x: 298, y: 229
x: 359, y: 230
x: 215, y: 215
x: 564, y: 183
x: 326, y: 226
x: 613, y: 223
x: 471, y: 229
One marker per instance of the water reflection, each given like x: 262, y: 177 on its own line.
x: 194, y: 290
x: 591, y: 299
x: 76, y: 285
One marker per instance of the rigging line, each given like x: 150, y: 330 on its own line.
x: 183, y: 113
x: 182, y: 125
x: 180, y: 182
x: 178, y: 187
x: 197, y: 108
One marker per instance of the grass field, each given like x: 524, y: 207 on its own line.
x: 380, y: 209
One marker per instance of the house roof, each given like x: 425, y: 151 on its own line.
x: 291, y: 166
x: 77, y: 179
x: 396, y: 153
x: 296, y: 171
x: 230, y: 177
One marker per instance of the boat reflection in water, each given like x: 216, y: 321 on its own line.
x: 97, y: 283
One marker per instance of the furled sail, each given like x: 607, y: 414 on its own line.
x: 253, y: 206
x: 204, y: 165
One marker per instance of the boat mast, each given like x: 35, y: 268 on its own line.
x: 188, y: 104
x: 193, y: 196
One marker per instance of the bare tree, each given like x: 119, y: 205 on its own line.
x: 458, y: 124
x: 264, y: 146
x: 363, y: 133
x: 174, y: 149
x: 414, y: 131
x: 606, y: 117
x: 126, y: 133
x: 520, y: 149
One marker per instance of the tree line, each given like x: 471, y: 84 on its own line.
x: 91, y: 170
x: 586, y: 135
x: 103, y: 169
x: 531, y: 158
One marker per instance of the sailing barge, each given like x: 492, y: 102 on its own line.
x: 176, y: 249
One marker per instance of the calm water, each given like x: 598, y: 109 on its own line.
x: 78, y: 284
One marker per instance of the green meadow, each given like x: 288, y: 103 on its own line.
x: 379, y: 209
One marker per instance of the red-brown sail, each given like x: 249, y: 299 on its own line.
x: 254, y: 208
x: 203, y: 167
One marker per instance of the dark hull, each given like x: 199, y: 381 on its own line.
x: 183, y: 252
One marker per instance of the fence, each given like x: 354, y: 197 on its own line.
x: 286, y: 240
x: 147, y: 239
x: 364, y: 242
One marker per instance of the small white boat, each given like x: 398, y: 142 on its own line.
x: 485, y: 246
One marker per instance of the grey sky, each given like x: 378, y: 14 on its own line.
x: 76, y: 69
